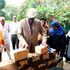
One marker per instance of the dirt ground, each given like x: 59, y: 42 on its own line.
x: 6, y: 61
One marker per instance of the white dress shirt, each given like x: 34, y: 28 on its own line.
x: 13, y: 28
x: 5, y: 30
x: 5, y: 33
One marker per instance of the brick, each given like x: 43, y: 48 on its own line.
x: 20, y: 54
x: 41, y: 49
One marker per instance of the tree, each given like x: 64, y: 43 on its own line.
x: 2, y: 4
x: 10, y: 11
x: 28, y: 4
x: 41, y: 11
x: 59, y: 8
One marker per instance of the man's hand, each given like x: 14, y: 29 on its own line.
x: 26, y: 46
x: 44, y: 44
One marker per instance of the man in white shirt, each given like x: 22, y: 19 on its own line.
x: 5, y: 33
x: 13, y: 31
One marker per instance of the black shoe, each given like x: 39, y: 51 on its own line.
x: 67, y: 59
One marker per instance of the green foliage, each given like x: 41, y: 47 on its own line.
x: 22, y: 11
x: 41, y: 11
x: 8, y: 21
x: 67, y: 14
x: 10, y: 11
x: 44, y: 8
x: 59, y: 8
x: 2, y: 13
x: 2, y: 4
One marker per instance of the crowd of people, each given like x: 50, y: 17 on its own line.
x: 24, y: 34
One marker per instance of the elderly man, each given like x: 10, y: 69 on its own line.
x: 29, y: 29
x: 5, y: 36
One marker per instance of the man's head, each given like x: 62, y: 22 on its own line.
x: 51, y: 17
x: 31, y: 15
x: 14, y: 18
x: 2, y: 20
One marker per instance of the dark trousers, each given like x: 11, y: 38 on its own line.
x: 15, y: 41
x: 68, y: 45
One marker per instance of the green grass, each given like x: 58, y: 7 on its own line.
x: 8, y: 21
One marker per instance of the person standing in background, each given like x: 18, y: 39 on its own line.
x: 51, y: 18
x: 13, y: 32
x: 45, y: 27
